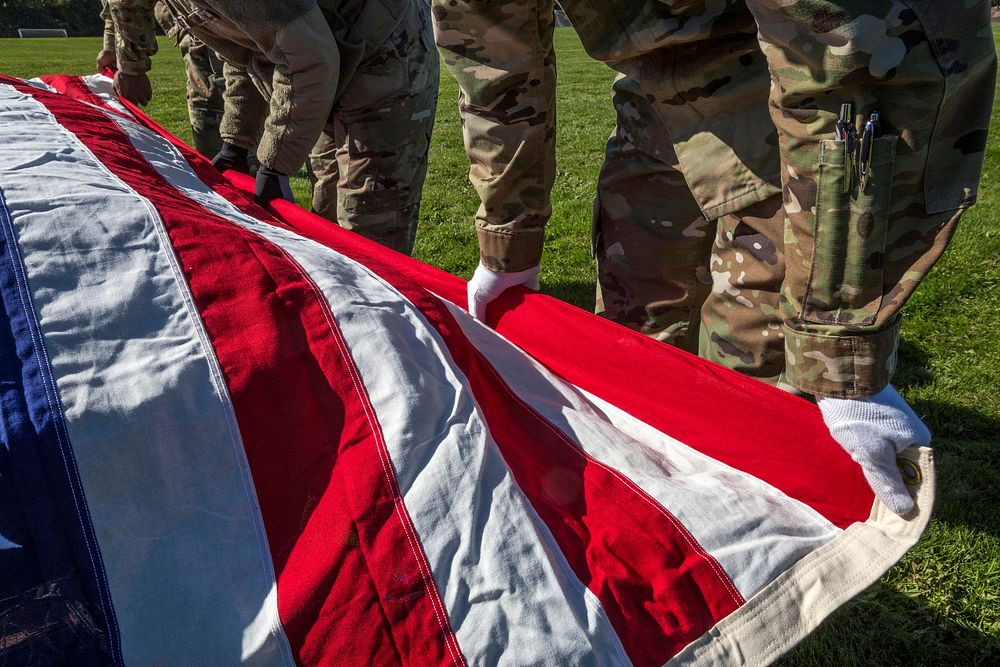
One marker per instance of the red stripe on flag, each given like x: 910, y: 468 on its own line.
x: 659, y: 588
x: 713, y: 409
x: 770, y: 434
x: 353, y: 582
x: 657, y: 585
x: 74, y: 87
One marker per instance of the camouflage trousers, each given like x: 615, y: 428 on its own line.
x: 806, y: 288
x: 371, y: 160
x: 710, y: 288
x: 205, y: 86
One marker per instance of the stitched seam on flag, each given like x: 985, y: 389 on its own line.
x: 109, y: 102
x: 398, y: 503
x: 62, y: 436
x: 720, y: 573
x: 234, y: 439
x: 100, y: 103
x: 734, y: 593
x: 385, y: 460
x: 436, y: 604
x: 695, y: 546
x: 381, y: 453
x: 802, y: 510
x: 889, y: 543
x: 590, y: 599
x: 726, y: 583
x: 276, y: 631
x: 788, y: 590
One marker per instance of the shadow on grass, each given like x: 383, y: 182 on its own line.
x: 913, y: 366
x: 886, y: 628
x: 966, y: 447
x: 580, y: 293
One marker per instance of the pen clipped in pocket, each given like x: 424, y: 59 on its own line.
x: 849, y: 236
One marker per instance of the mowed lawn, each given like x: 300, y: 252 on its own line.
x: 941, y: 604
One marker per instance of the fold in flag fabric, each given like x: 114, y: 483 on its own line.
x: 236, y: 435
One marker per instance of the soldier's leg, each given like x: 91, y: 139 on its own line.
x: 856, y: 249
x: 651, y: 240
x: 205, y: 86
x: 325, y: 174
x: 382, y: 155
x: 741, y: 320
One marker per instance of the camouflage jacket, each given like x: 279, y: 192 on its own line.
x: 283, y: 61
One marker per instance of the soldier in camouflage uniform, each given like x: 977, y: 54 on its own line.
x: 730, y: 218
x: 802, y: 279
x: 361, y: 73
x: 205, y: 84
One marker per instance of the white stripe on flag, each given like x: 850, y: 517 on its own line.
x: 494, y: 561
x: 38, y: 83
x: 714, y: 501
x: 171, y: 499
x: 104, y: 88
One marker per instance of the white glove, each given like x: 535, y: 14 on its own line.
x: 873, y: 430
x: 487, y: 285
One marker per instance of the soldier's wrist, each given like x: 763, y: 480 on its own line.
x: 134, y: 67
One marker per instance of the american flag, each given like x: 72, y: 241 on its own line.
x: 236, y: 435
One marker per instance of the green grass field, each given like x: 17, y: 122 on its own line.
x: 941, y: 604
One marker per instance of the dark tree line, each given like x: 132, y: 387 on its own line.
x: 76, y: 17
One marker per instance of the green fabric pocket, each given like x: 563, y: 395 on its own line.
x: 849, y: 236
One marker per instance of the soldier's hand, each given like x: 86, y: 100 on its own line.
x: 487, y: 285
x: 107, y: 58
x: 232, y: 157
x: 272, y: 185
x: 873, y: 430
x: 135, y: 88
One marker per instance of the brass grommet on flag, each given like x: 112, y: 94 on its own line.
x: 910, y: 471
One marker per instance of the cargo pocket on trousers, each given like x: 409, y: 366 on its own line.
x: 849, y: 237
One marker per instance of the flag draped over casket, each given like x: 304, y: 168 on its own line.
x: 237, y: 435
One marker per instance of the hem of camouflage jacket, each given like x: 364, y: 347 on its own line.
x: 754, y: 195
x: 853, y: 366
x: 509, y: 251
x: 782, y: 614
x: 134, y: 67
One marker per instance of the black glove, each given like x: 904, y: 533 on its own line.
x: 271, y: 185
x: 232, y: 157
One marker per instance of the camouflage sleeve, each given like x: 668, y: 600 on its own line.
x: 136, y: 34
x: 862, y: 229
x: 306, y: 63
x: 244, y: 108
x: 501, y: 54
x: 165, y: 17
x: 109, y: 27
